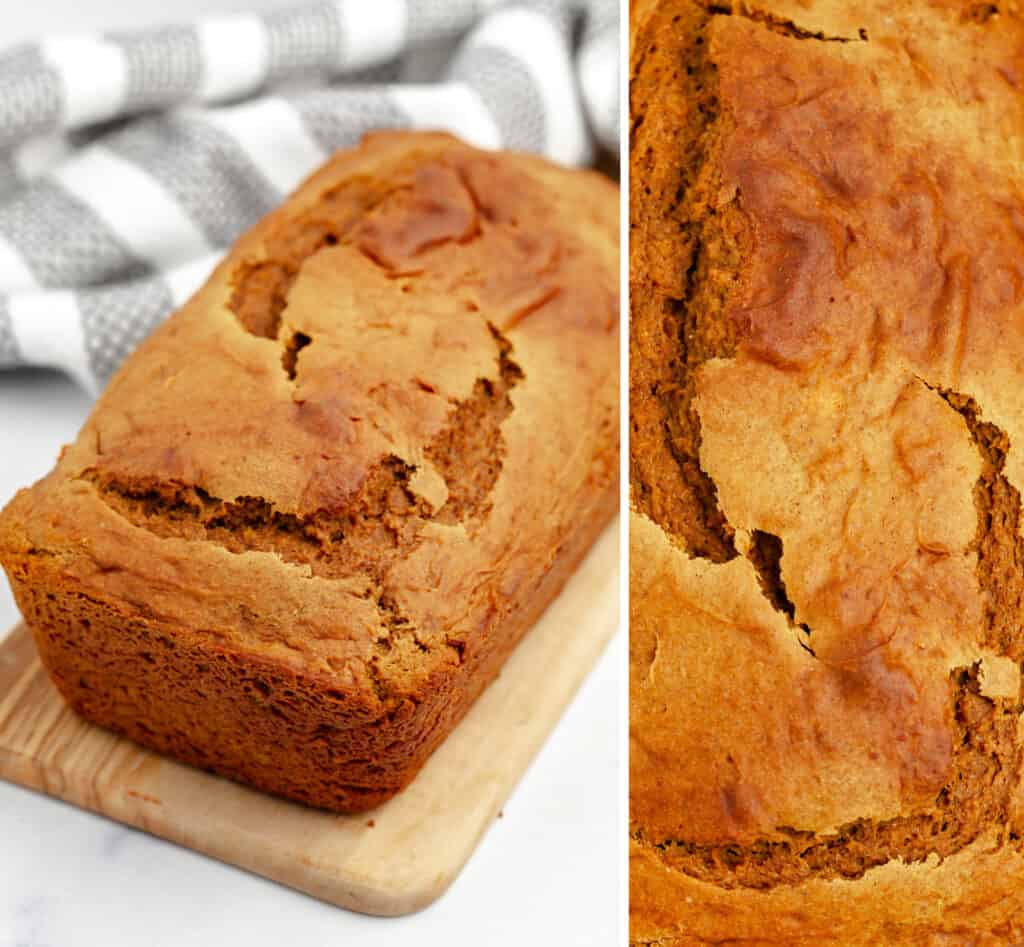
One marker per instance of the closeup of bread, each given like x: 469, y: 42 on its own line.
x: 827, y: 454
x: 312, y: 515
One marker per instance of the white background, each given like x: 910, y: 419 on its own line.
x: 549, y: 872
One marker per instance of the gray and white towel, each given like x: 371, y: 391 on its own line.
x: 129, y: 162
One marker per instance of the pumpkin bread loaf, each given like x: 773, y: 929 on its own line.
x: 827, y: 423
x: 314, y: 512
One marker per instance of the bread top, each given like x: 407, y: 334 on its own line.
x: 363, y: 440
x: 827, y: 286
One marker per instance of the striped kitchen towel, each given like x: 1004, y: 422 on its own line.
x: 129, y: 162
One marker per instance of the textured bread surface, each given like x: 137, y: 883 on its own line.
x: 827, y: 415
x: 314, y: 512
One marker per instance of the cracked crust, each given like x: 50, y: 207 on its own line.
x: 312, y: 515
x: 826, y: 568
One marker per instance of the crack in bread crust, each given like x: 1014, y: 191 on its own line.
x: 765, y: 554
x: 261, y: 287
x: 383, y: 515
x: 986, y: 755
x: 999, y: 543
x: 674, y: 326
x: 379, y: 524
x: 677, y: 321
x: 781, y: 25
x: 348, y: 214
x: 290, y: 356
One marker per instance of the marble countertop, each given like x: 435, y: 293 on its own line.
x: 550, y: 872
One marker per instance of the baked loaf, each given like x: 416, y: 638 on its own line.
x: 314, y: 512
x: 827, y: 275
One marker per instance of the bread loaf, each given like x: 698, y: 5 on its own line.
x: 827, y: 417
x: 314, y: 512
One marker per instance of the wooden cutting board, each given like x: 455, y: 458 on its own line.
x: 394, y: 860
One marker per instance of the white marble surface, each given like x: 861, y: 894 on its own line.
x: 550, y: 872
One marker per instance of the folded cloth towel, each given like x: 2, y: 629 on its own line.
x: 130, y: 161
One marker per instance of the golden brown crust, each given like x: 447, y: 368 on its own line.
x: 826, y: 640
x: 316, y: 509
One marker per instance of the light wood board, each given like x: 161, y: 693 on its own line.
x: 419, y: 840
